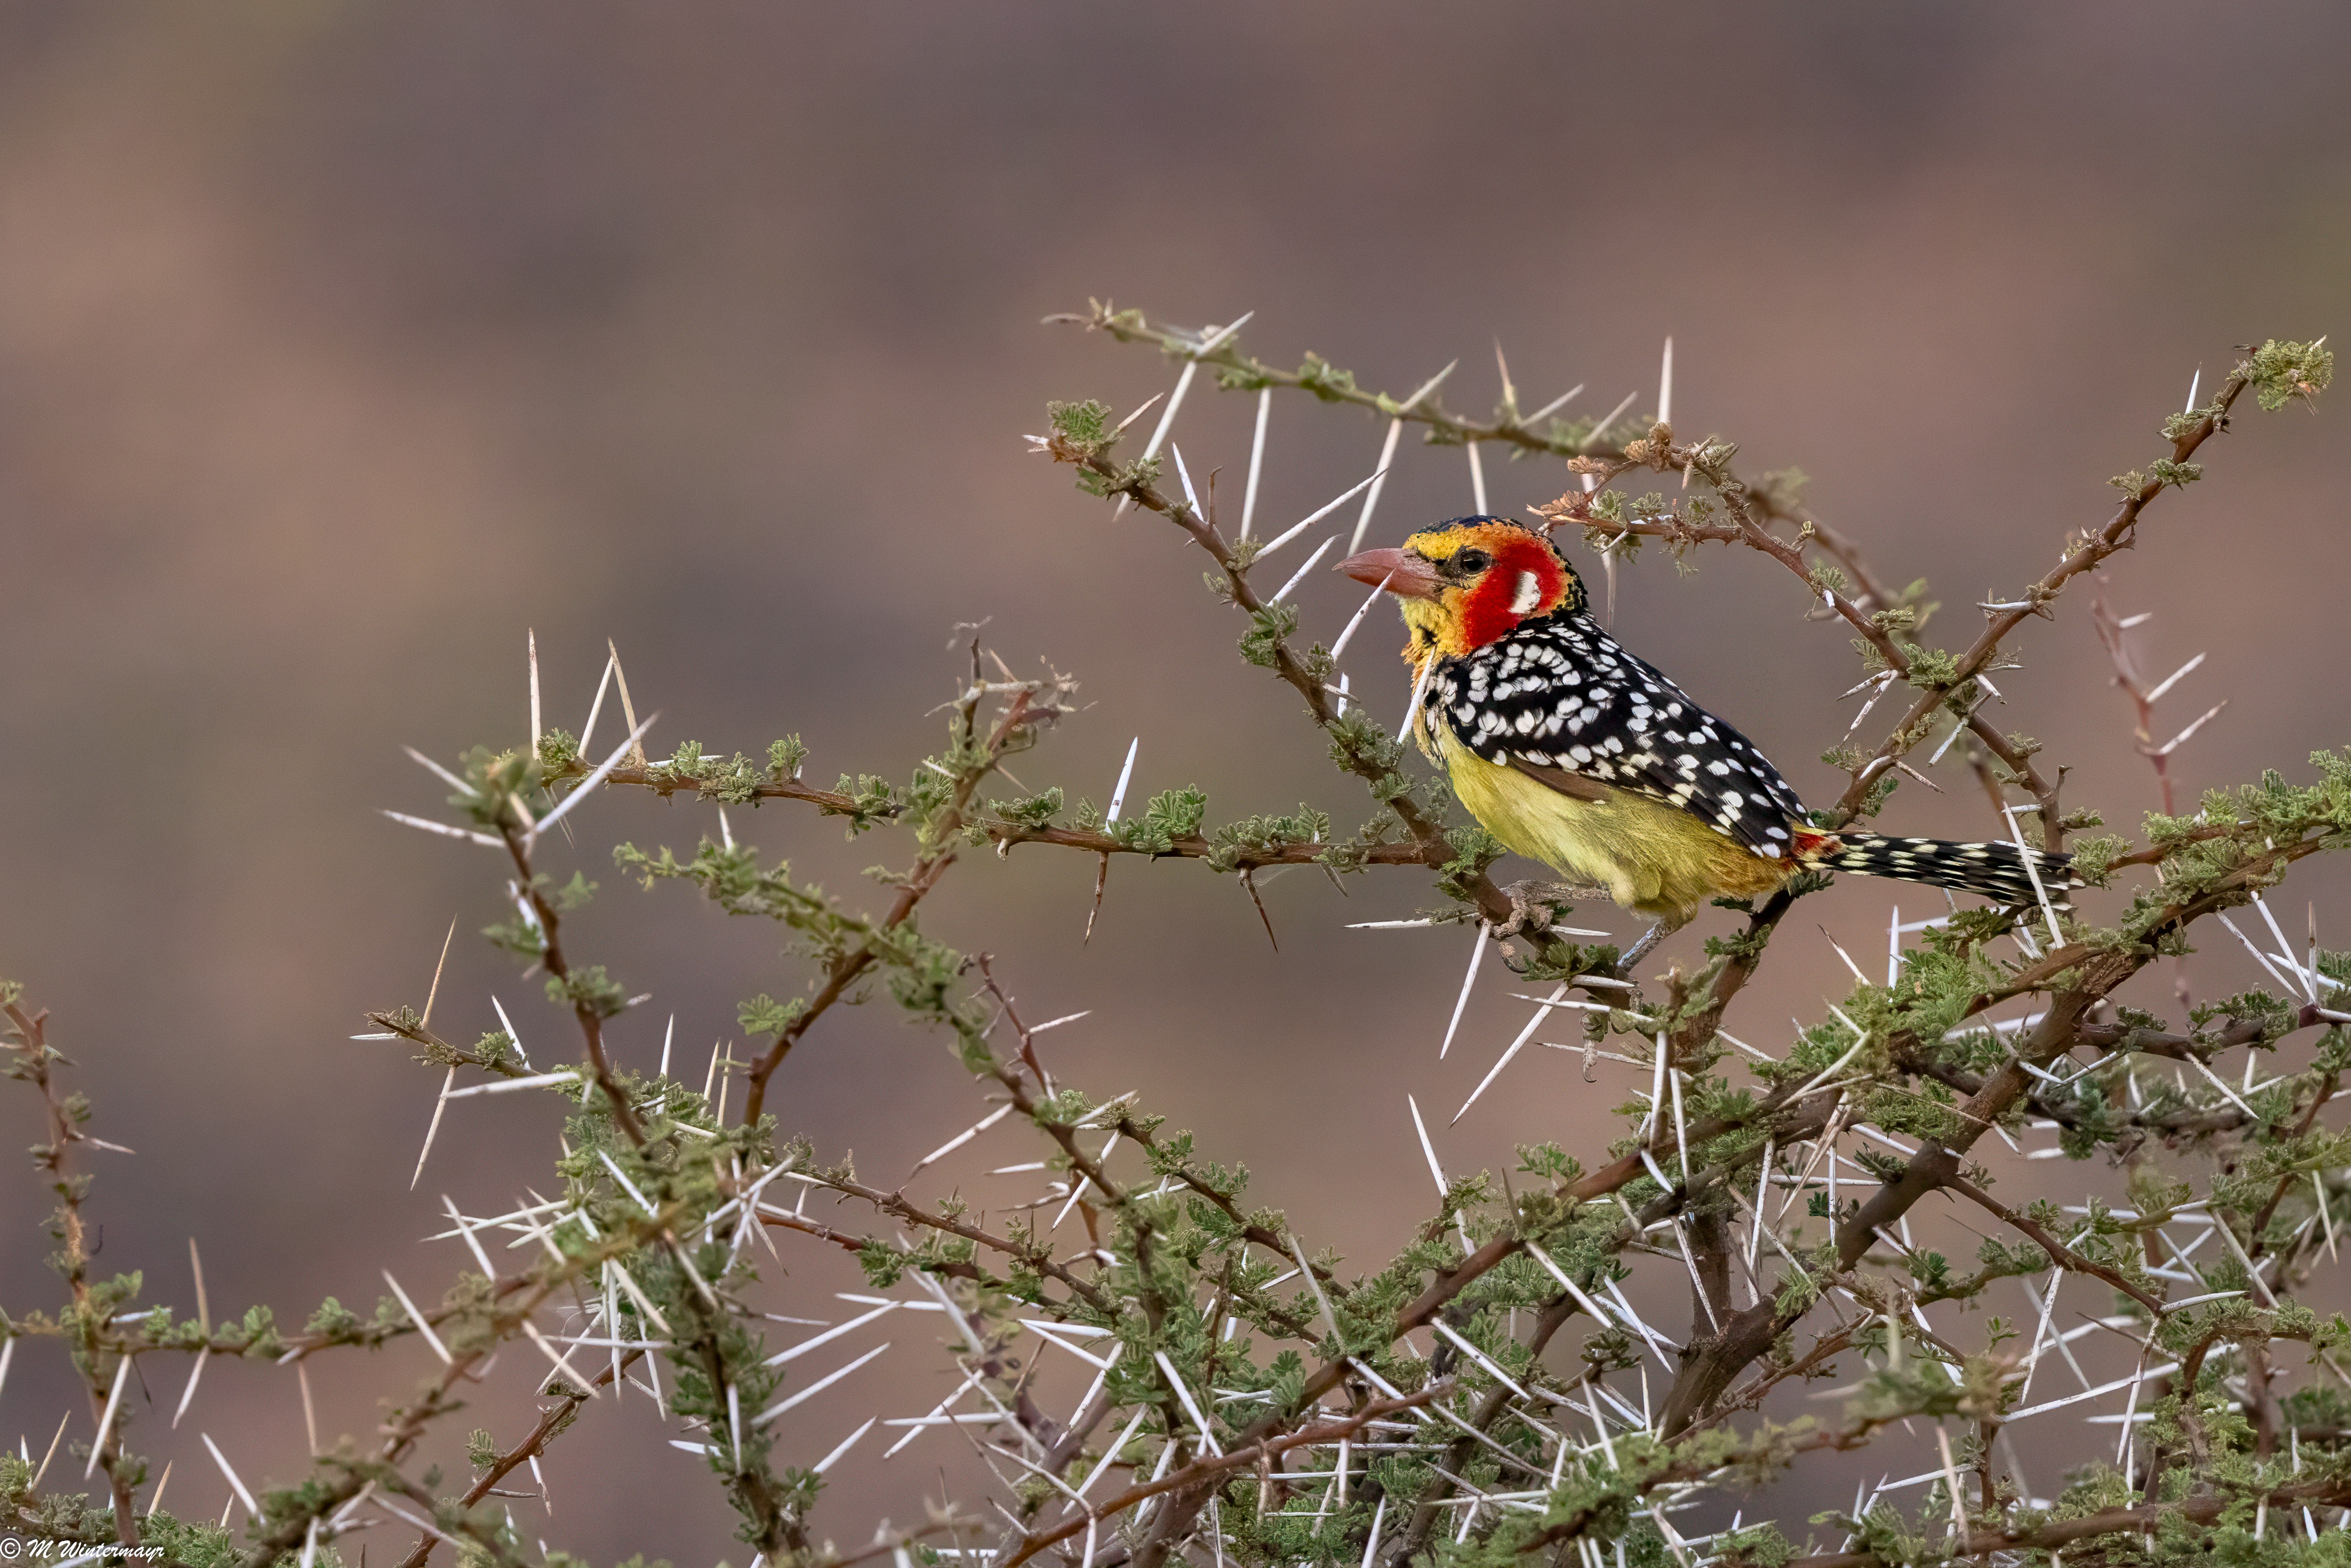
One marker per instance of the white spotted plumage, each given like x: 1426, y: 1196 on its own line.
x: 1559, y: 692
x: 1573, y: 751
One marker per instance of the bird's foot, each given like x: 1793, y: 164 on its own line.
x: 1535, y: 904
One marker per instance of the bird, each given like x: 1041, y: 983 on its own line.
x: 1570, y: 750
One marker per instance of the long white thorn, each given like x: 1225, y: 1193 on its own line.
x: 2177, y: 741
x: 418, y: 1319
x: 588, y: 729
x: 1118, y: 795
x: 1542, y: 1011
x: 252, y: 1508
x: 1480, y: 1357
x: 587, y: 785
x: 1110, y: 1453
x: 1762, y: 1186
x: 189, y: 1393
x: 2309, y: 984
x: 1256, y: 460
x: 1216, y: 339
x: 1191, y: 496
x: 1300, y: 575
x: 1419, y: 690
x: 563, y: 1367
x: 1846, y: 957
x: 1341, y: 645
x: 1656, y: 1096
x: 1372, y: 1541
x: 1426, y: 387
x: 2032, y: 871
x: 1320, y: 513
x: 621, y: 680
x: 2259, y: 957
x: 439, y: 772
x: 1191, y: 1405
x: 1554, y: 407
x: 489, y: 1270
x: 1613, y: 415
x: 1436, y: 1171
x: 1139, y: 410
x: 428, y: 825
x: 818, y: 1386
x: 105, y: 1418
x: 1379, y: 481
x: 1477, y: 957
x: 1298, y: 1251
x: 1167, y: 415
x: 1681, y: 1235
x: 1681, y: 1131
x: 966, y: 1135
x: 440, y: 1104
x: 2218, y: 1082
x: 2173, y: 679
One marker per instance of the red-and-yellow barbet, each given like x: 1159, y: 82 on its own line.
x: 1574, y: 752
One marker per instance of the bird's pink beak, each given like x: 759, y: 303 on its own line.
x: 1403, y: 574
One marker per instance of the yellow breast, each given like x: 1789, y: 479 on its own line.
x: 1649, y: 856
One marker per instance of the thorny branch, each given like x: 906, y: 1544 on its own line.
x: 658, y: 1190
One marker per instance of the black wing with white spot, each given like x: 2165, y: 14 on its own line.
x: 1559, y: 693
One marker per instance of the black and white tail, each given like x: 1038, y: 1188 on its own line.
x: 1994, y: 871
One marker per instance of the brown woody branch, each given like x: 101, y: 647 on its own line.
x: 34, y: 1053
x: 1201, y: 1471
x: 2200, y: 1508
x: 2056, y: 1250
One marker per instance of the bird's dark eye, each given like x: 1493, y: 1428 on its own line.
x: 1469, y: 562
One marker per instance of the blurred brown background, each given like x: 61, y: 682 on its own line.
x: 341, y: 343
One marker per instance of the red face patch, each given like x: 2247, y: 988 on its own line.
x: 1525, y: 580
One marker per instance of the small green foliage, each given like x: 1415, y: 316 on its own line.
x: 1779, y: 492
x: 2282, y: 372
x: 1325, y: 380
x: 1474, y: 848
x: 1269, y: 626
x: 590, y: 990
x: 1933, y: 669
x: 521, y: 935
x: 1124, y: 479
x: 1086, y: 426
x: 785, y: 757
x: 1032, y: 812
x: 332, y: 1320
x: 764, y: 1015
x: 1262, y: 836
x: 1171, y: 814
x: 558, y: 753
x: 1549, y: 1162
